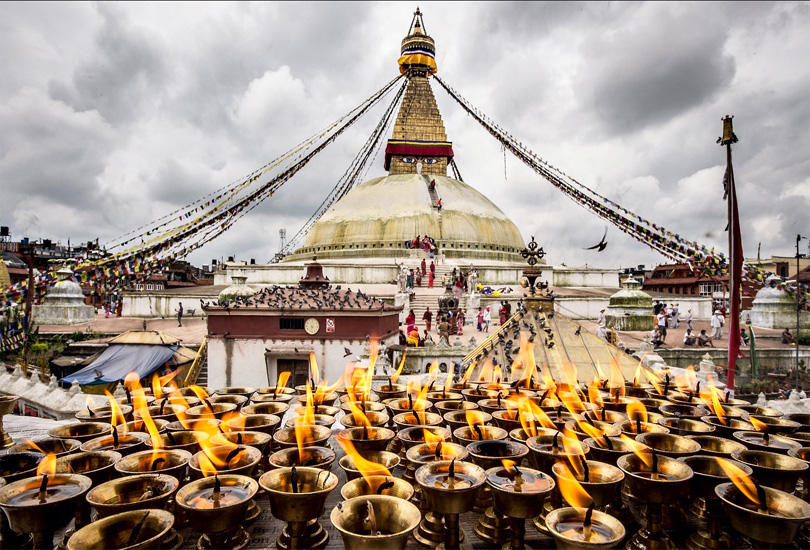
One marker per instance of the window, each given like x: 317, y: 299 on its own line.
x: 706, y: 289
x: 149, y: 286
x: 288, y: 323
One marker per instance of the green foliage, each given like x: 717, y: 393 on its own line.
x: 804, y: 338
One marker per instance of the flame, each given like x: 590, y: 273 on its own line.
x: 568, y: 374
x: 640, y: 450
x: 433, y: 373
x: 548, y: 380
x: 759, y: 425
x: 526, y: 355
x: 592, y: 431
x: 742, y: 480
x: 600, y: 374
x: 366, y: 467
x: 283, y: 378
x: 360, y: 419
x: 655, y: 380
x: 117, y: 415
x: 572, y: 402
x: 474, y: 418
x: 691, y: 378
x: 157, y: 387
x: 431, y: 437
x: 637, y: 375
x: 448, y: 383
x: 497, y: 375
x: 35, y: 446
x: 572, y: 491
x: 718, y: 409
x: 47, y: 465
x: 236, y: 423
x: 314, y: 372
x: 528, y: 413
x: 573, y: 449
x: 486, y: 371
x: 637, y: 411
x: 201, y: 394
x: 395, y: 376
x: 468, y: 373
x: 594, y: 395
x: 133, y: 382
x: 211, y: 462
x: 616, y: 380
x: 509, y: 465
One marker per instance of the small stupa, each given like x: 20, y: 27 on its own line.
x: 64, y: 303
x: 630, y: 308
x: 774, y: 307
x: 239, y: 289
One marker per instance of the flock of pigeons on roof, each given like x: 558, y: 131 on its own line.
x: 293, y: 297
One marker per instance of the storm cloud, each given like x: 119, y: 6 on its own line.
x: 114, y: 114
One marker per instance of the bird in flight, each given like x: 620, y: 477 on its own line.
x: 601, y: 245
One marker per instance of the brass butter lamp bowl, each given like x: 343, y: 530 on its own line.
x: 135, y: 530
x: 219, y: 518
x: 136, y: 492
x: 773, y: 470
x: 367, y: 440
x: 708, y: 474
x: 712, y: 445
x: 389, y: 461
x: 778, y: 524
x: 80, y: 431
x: 172, y: 462
x: 374, y: 522
x: 377, y: 485
x: 297, y: 497
x: 32, y: 509
x: 450, y: 491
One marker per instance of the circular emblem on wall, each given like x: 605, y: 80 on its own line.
x: 312, y: 326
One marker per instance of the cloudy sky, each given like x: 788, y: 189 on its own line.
x: 113, y: 114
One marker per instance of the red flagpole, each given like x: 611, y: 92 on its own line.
x: 735, y: 255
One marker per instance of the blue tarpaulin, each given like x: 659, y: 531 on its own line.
x: 115, y: 362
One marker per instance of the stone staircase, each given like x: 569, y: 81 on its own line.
x: 434, y: 201
x: 425, y: 297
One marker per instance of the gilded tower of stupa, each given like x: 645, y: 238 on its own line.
x: 417, y: 197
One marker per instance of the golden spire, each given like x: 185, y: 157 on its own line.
x: 419, y: 143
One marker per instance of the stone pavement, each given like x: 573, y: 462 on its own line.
x: 191, y: 333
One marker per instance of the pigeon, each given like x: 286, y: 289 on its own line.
x: 346, y: 352
x: 578, y: 331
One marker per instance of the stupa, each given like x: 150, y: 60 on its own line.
x: 64, y: 303
x: 417, y: 197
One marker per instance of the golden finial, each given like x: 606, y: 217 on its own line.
x: 728, y: 132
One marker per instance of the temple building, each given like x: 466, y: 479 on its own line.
x: 255, y: 335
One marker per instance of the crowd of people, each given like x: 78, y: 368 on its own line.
x: 427, y: 243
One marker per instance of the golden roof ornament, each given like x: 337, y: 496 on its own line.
x: 418, y: 50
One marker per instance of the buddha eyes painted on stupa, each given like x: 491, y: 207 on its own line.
x: 408, y: 160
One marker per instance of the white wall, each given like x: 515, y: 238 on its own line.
x: 142, y: 304
x: 586, y: 277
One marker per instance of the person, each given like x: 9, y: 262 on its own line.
x: 107, y: 311
x: 119, y: 307
x: 180, y: 314
x: 427, y: 317
x: 689, y: 318
x: 413, y: 337
x: 787, y: 337
x: 657, y: 308
x: 444, y: 330
x: 427, y: 339
x: 407, y: 245
x: 480, y: 319
x: 689, y: 338
x: 459, y: 321
x: 410, y: 319
x: 432, y: 267
x: 432, y: 184
x: 601, y: 332
x: 657, y: 337
x: 602, y: 321
x: 418, y: 278
x: 410, y: 278
x: 675, y: 315
x: 802, y: 394
x: 487, y: 319
x: 502, y: 313
x: 717, y: 325
x: 661, y: 319
x: 402, y: 339
x: 743, y: 337
x: 439, y: 204
x: 423, y: 265
x: 431, y: 278
x: 444, y: 280
x: 703, y: 339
